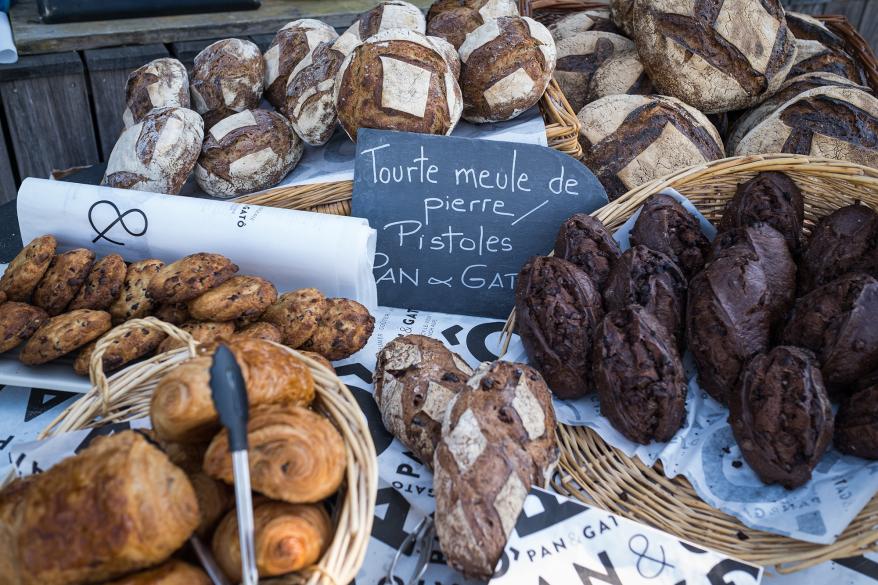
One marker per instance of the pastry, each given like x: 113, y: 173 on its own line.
x: 62, y: 334
x: 102, y: 285
x: 415, y: 378
x: 296, y: 455
x: 639, y: 376
x: 240, y: 296
x: 844, y: 241
x: 27, y: 269
x: 201, y: 331
x: 215, y: 498
x: 558, y: 308
x: 664, y: 225
x: 587, y: 243
x: 296, y: 314
x: 117, y: 506
x: 189, y: 277
x: 258, y: 330
x: 182, y: 408
x: 856, y: 424
x: 124, y: 349
x: 287, y: 538
x: 781, y: 415
x: 227, y: 77
x: 63, y: 280
x: 161, y: 83
x: 172, y: 572
x: 343, y: 329
x: 133, y: 302
x: 652, y: 280
x: 772, y: 198
x: 18, y: 321
x: 506, y: 65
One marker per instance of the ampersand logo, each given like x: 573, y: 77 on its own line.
x: 653, y: 565
x: 120, y: 219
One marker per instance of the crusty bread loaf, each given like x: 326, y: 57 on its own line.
x: 290, y: 46
x: 580, y: 57
x: 227, y: 77
x: 814, y: 56
x: 577, y: 22
x: 452, y: 20
x: 160, y: 83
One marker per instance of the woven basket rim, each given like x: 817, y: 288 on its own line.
x: 597, y: 473
x: 125, y: 395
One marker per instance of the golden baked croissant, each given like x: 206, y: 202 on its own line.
x: 288, y: 537
x: 182, y: 408
x: 296, y: 455
x: 215, y: 498
x: 173, y: 572
x: 118, y: 506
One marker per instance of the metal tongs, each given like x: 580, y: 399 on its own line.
x: 230, y: 399
x: 420, y: 539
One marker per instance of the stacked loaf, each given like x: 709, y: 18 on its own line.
x: 489, y: 436
x: 55, y: 304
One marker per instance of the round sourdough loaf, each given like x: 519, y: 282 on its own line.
x: 248, y: 151
x: 448, y: 51
x: 790, y: 89
x: 226, y: 78
x: 580, y: 56
x: 454, y: 19
x: 160, y: 83
x: 397, y: 80
x: 814, y: 56
x: 506, y: 65
x: 622, y: 13
x: 158, y: 153
x: 291, y: 45
x: 628, y: 140
x: 621, y: 73
x: 832, y: 122
x: 579, y: 22
x: 715, y: 55
x: 806, y: 27
x: 394, y: 14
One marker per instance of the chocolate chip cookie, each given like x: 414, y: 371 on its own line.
x: 173, y: 313
x: 131, y: 345
x: 202, y: 331
x: 102, y: 285
x: 258, y: 330
x: 318, y: 358
x: 134, y: 303
x: 27, y: 268
x: 63, y: 280
x: 239, y: 297
x: 191, y: 276
x: 296, y: 314
x: 18, y: 321
x: 342, y: 330
x: 64, y: 333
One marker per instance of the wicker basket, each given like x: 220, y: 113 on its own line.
x: 126, y: 395
x: 596, y: 473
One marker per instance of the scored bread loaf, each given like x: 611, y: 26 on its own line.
x: 290, y: 46
x: 498, y: 440
x: 415, y: 379
x: 246, y: 152
x: 622, y: 13
x: 715, y: 55
x: 814, y: 56
x: 577, y: 22
x: 580, y: 57
x: 452, y: 20
x: 397, y: 80
x: 621, y: 73
x: 118, y: 506
x: 506, y: 65
x: 806, y: 27
x: 160, y: 83
x: 227, y: 77
x: 157, y: 153
x: 448, y: 51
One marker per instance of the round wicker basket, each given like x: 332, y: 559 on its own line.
x: 126, y: 396
x: 596, y: 473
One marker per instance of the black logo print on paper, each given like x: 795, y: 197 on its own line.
x: 120, y: 219
x: 648, y: 565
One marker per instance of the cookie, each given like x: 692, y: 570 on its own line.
x: 27, y: 268
x: 296, y: 313
x: 133, y: 344
x: 239, y: 297
x: 102, y: 285
x: 173, y: 313
x: 342, y: 330
x: 62, y: 334
x: 134, y: 303
x: 18, y: 321
x: 63, y: 280
x: 202, y: 331
x: 258, y: 330
x: 191, y: 276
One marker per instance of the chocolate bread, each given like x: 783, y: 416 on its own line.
x: 664, y: 225
x: 856, y: 424
x: 772, y: 198
x: 587, y: 243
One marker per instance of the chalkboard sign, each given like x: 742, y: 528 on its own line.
x: 458, y: 217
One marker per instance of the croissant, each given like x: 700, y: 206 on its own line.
x: 173, y: 572
x: 118, y: 506
x: 182, y: 408
x: 295, y: 454
x: 215, y: 498
x: 288, y: 537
